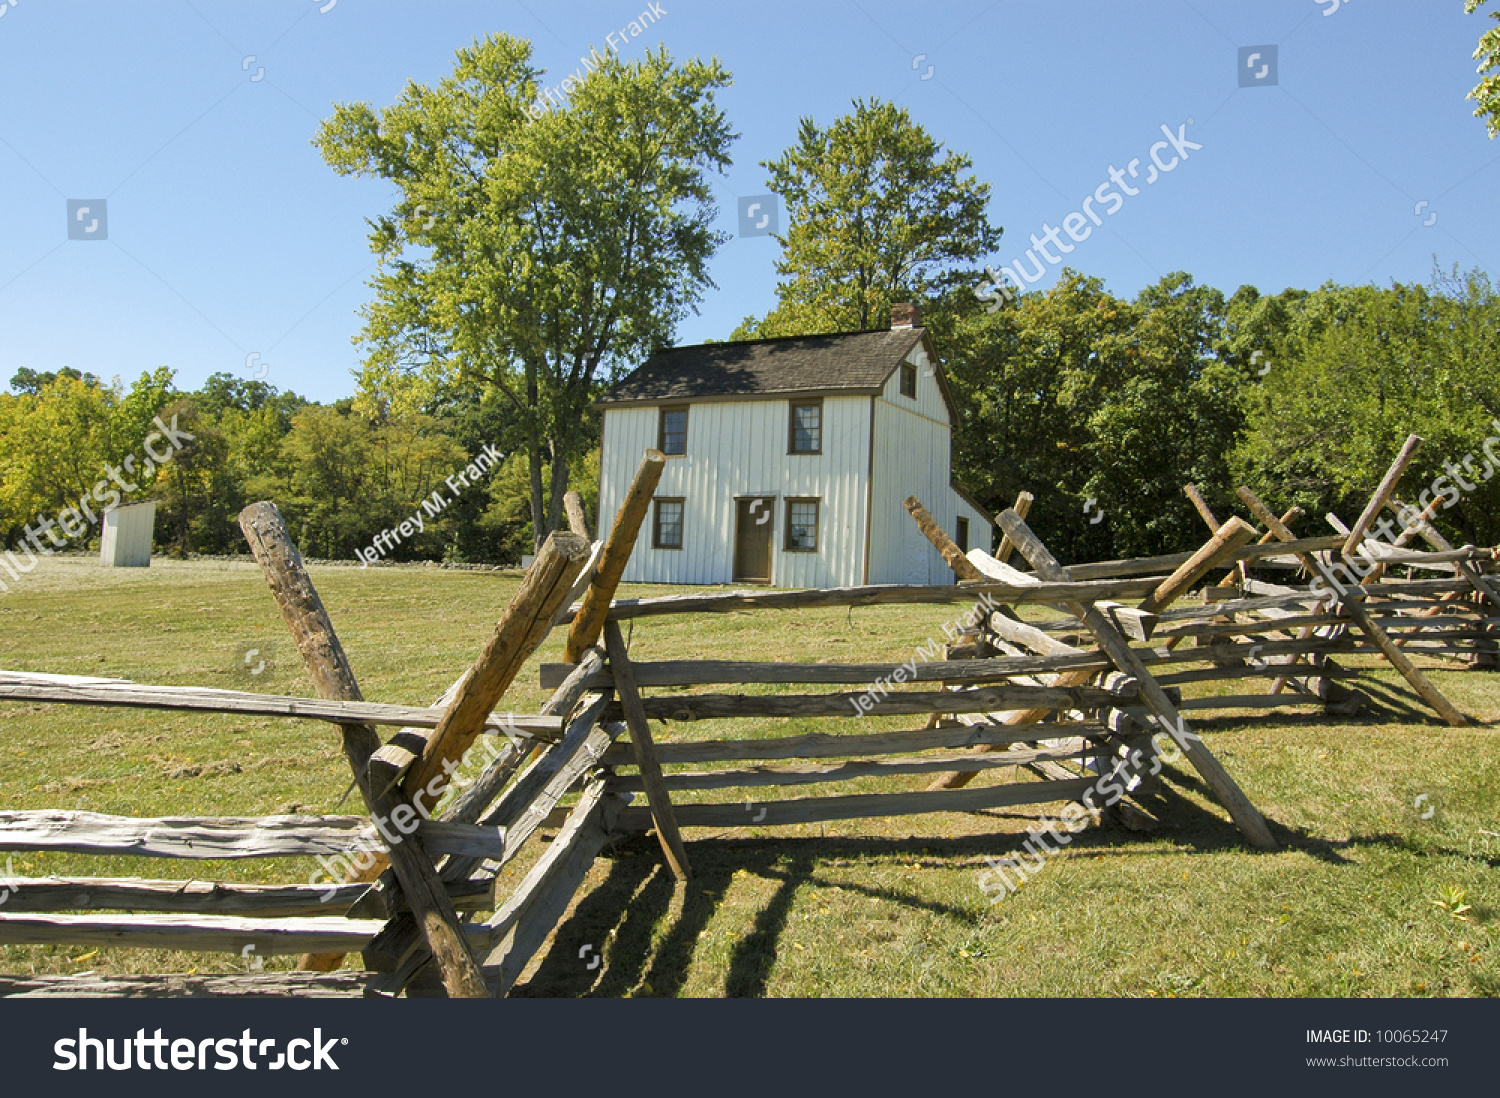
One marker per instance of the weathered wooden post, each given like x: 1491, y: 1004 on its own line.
x: 1022, y: 507
x: 525, y: 624
x: 398, y: 940
x: 520, y: 631
x: 324, y: 656
x: 1224, y: 544
x: 644, y: 747
x: 1382, y: 493
x: 578, y: 521
x: 1201, y: 505
x: 945, y: 545
x: 962, y: 566
x: 584, y: 631
x: 1421, y: 527
x: 1207, y: 514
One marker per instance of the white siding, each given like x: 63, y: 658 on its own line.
x: 929, y: 400
x: 981, y: 533
x: 125, y: 540
x: 738, y: 448
x: 913, y: 458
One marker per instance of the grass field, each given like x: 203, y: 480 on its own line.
x: 1362, y: 900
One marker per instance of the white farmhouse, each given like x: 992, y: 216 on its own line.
x: 789, y: 460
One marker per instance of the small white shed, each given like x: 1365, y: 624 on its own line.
x: 125, y: 541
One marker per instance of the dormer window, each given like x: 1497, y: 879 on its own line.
x: 908, y: 380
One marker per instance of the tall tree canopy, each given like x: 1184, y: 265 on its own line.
x: 876, y: 212
x: 60, y: 433
x: 1357, y: 369
x: 535, y: 256
x: 1075, y: 394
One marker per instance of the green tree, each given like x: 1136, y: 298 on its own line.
x: 343, y: 478
x: 1487, y: 92
x: 326, y: 492
x: 54, y: 444
x: 222, y: 393
x: 535, y: 255
x: 135, y: 412
x: 877, y: 212
x: 506, y: 520
x: 1013, y: 373
x: 1363, y: 367
x: 478, y: 418
x: 27, y: 380
x: 198, y: 495
x: 1162, y: 411
x: 62, y: 433
x: 254, y: 419
x: 1075, y: 394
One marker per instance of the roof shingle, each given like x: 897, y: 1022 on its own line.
x: 858, y: 361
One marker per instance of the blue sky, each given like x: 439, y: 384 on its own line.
x: 227, y: 237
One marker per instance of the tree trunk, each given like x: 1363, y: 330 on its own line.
x: 559, y: 488
x: 538, y: 517
x: 534, y: 459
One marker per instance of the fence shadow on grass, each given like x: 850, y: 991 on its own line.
x: 640, y: 932
x: 637, y: 932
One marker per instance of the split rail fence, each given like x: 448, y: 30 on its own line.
x: 1088, y: 688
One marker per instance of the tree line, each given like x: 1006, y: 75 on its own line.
x: 1072, y: 393
x: 1306, y: 396
x: 339, y: 475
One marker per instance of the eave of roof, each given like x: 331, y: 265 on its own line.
x: 720, y: 398
x: 964, y: 494
x: 738, y: 364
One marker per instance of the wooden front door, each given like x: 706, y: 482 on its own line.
x: 755, y: 520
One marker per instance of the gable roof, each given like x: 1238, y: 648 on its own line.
x: 853, y: 362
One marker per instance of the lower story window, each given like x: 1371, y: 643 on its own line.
x: 802, y: 525
x: 667, y: 530
x: 961, y: 535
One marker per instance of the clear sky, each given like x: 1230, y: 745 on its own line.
x: 227, y: 236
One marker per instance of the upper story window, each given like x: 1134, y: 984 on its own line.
x: 806, y: 431
x: 908, y: 380
x: 671, y: 431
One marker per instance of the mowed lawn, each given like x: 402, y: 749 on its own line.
x: 1362, y: 899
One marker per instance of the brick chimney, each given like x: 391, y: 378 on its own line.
x: 906, y: 314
